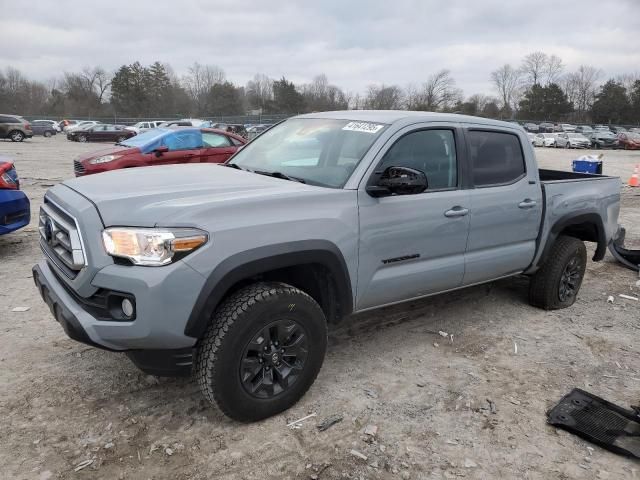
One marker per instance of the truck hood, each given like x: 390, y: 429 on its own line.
x: 176, y: 195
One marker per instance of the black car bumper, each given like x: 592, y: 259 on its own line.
x: 169, y: 362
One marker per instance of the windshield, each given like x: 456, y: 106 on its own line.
x: 145, y: 138
x: 319, y: 151
x: 602, y: 134
x: 575, y: 135
x: 549, y: 135
x: 633, y: 136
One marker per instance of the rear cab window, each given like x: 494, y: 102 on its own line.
x: 496, y: 158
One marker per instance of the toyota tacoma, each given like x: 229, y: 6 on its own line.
x: 232, y: 272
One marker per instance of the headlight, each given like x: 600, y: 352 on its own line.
x: 104, y: 159
x: 152, y: 246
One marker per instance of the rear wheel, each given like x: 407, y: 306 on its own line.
x: 82, y: 138
x: 16, y: 136
x: 556, y: 284
x: 47, y: 134
x: 262, y: 351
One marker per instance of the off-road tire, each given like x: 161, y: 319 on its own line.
x: 545, y: 284
x: 234, y: 324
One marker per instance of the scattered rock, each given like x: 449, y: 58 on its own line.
x: 436, y: 344
x: 514, y: 401
x: 420, y: 385
x: 371, y: 393
x: 109, y: 445
x: 329, y: 422
x: 610, y: 299
x: 492, y: 406
x: 168, y: 451
x: 371, y: 430
x: 356, y: 453
x: 468, y: 463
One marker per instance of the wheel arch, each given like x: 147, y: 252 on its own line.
x: 315, y: 266
x: 587, y: 227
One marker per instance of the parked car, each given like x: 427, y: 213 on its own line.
x: 80, y: 125
x: 537, y: 140
x: 546, y: 127
x: 15, y: 128
x: 634, y: 130
x: 43, y: 127
x: 175, y: 123
x: 15, y: 209
x: 585, y: 130
x: 567, y: 127
x: 63, y: 124
x: 144, y: 126
x: 162, y: 146
x: 531, y: 127
x: 547, y: 139
x: 603, y: 139
x: 572, y: 140
x: 100, y: 133
x: 254, y: 130
x: 532, y: 138
x: 629, y: 140
x: 617, y: 129
x: 232, y: 273
x: 601, y: 128
x: 53, y: 123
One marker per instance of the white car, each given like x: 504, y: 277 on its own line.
x: 538, y: 140
x: 567, y: 127
x: 144, y: 126
x: 80, y: 125
x: 532, y: 137
x: 546, y: 139
x: 572, y: 140
x: 53, y: 123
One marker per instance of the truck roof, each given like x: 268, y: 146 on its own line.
x: 405, y: 116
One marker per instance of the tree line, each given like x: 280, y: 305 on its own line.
x: 539, y: 88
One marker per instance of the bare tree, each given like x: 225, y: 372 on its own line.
x: 534, y: 66
x: 627, y: 80
x: 200, y: 79
x: 507, y: 81
x: 259, y: 91
x: 586, y: 78
x: 439, y: 92
x: 383, y: 97
x: 97, y: 80
x: 553, y: 69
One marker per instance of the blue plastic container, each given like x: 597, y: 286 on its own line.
x: 588, y: 166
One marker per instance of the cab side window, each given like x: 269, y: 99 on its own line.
x: 496, y: 158
x: 432, y: 152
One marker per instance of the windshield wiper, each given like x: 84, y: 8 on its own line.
x: 280, y: 175
x: 232, y: 165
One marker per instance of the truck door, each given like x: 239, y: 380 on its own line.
x: 505, y: 205
x: 413, y: 245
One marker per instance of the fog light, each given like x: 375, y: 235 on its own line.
x: 127, y: 307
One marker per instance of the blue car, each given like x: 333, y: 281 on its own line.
x: 15, y: 209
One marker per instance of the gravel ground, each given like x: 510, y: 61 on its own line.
x: 63, y: 403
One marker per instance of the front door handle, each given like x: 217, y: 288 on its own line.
x: 456, y: 212
x: 527, y: 203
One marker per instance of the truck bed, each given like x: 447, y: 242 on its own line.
x: 571, y: 195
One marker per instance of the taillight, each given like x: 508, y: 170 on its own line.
x: 8, y: 177
x: 27, y: 126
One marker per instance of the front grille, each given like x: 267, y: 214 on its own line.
x: 60, y: 239
x: 78, y: 168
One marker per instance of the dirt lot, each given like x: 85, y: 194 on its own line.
x: 62, y: 403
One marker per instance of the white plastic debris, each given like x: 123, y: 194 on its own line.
x: 82, y: 465
x: 628, y: 297
x: 356, y: 453
x: 610, y: 299
x: 21, y: 309
x: 298, y: 423
x: 443, y: 334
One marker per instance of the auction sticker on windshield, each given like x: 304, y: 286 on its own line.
x: 365, y: 127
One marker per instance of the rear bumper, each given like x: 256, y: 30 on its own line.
x: 76, y: 323
x: 15, y: 210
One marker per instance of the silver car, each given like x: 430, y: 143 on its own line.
x: 572, y: 140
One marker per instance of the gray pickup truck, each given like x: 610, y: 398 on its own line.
x: 232, y: 272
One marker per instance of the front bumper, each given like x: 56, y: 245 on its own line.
x: 15, y: 210
x: 149, y: 342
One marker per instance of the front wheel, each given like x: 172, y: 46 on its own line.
x: 47, y: 134
x: 82, y: 138
x: 556, y: 284
x: 262, y: 351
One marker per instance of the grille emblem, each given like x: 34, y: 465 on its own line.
x: 48, y: 231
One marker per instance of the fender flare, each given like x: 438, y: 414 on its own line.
x: 259, y: 260
x: 569, y: 220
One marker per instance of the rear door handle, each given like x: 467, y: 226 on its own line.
x: 456, y: 212
x: 527, y: 203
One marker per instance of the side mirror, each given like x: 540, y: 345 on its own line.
x: 160, y: 150
x: 399, y: 181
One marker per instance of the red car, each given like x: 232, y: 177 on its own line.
x: 629, y: 140
x: 162, y: 146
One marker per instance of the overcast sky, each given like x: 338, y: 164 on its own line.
x: 354, y: 42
